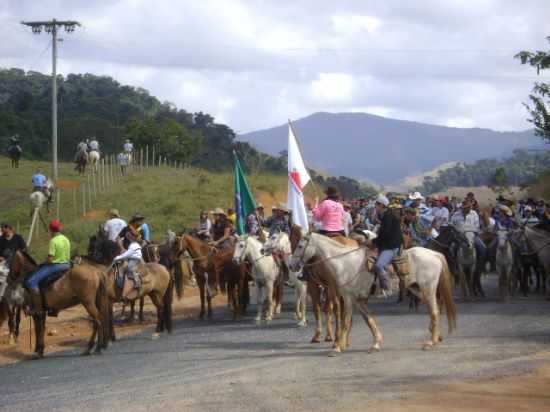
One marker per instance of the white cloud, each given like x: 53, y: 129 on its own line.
x: 332, y: 87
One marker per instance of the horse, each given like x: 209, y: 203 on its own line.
x: 279, y: 244
x: 14, y: 153
x: 467, y: 262
x: 82, y: 284
x: 539, y: 242
x: 264, y: 271
x: 207, y: 277
x: 7, y: 309
x: 321, y: 287
x: 505, y: 264
x: 81, y: 160
x: 526, y: 261
x: 429, y: 275
x: 93, y: 158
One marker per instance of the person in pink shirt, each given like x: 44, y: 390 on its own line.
x: 330, y: 213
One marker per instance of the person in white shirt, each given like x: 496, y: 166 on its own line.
x: 128, y: 147
x: 440, y: 214
x: 529, y: 219
x: 94, y: 145
x: 114, y: 225
x: 467, y: 220
x: 133, y: 256
x: 348, y: 220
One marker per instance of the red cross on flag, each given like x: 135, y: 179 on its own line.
x: 298, y: 178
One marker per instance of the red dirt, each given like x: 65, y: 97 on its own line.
x: 71, y: 329
x: 65, y: 184
x: 95, y: 215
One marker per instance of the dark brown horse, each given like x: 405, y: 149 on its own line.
x: 82, y: 284
x: 14, y: 153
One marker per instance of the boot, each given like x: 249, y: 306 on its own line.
x: 36, y: 302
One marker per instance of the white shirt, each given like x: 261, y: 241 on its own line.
x: 348, y: 222
x: 441, y: 216
x: 128, y: 147
x: 122, y: 159
x: 468, y: 223
x: 94, y: 145
x: 113, y: 227
x: 133, y: 253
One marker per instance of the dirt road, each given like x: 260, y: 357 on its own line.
x: 236, y: 366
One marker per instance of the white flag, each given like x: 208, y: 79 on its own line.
x: 298, y: 178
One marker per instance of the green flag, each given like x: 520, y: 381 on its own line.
x: 244, y: 200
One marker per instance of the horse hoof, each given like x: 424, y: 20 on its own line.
x: 334, y: 353
x: 36, y: 356
x: 302, y: 324
x: 201, y: 315
x: 315, y: 339
x: 86, y: 353
x: 374, y: 348
x: 328, y: 338
x: 428, y: 346
x: 155, y: 336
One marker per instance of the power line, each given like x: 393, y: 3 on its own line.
x: 51, y: 27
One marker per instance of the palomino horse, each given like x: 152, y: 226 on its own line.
x: 82, y: 284
x: 264, y: 271
x: 81, y: 160
x: 429, y: 274
x: 207, y: 277
x: 279, y: 244
x: 539, y: 242
x: 93, y: 158
x: 14, y: 153
x: 505, y: 264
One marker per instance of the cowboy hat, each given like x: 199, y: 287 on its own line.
x: 219, y: 211
x: 136, y: 217
x: 259, y: 206
x: 331, y: 191
x: 416, y: 196
x: 114, y: 212
x: 282, y: 207
x: 383, y: 200
x: 506, y: 210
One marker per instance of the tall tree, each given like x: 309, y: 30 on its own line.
x: 540, y: 96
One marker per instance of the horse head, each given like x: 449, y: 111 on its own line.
x: 276, y: 242
x: 241, y: 247
x: 304, y: 251
x: 503, y: 239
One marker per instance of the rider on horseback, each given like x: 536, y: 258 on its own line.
x: 222, y: 230
x: 133, y: 256
x: 58, y: 260
x: 128, y: 147
x: 388, y: 241
x: 330, y: 213
x: 278, y: 221
x: 38, y: 181
x: 93, y: 145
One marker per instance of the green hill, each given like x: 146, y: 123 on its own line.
x: 170, y: 198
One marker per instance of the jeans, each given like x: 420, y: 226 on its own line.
x: 481, y: 249
x: 44, y: 272
x: 384, y: 259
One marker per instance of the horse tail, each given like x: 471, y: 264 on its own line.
x: 103, y: 305
x: 178, y: 278
x: 167, y: 309
x: 445, y: 291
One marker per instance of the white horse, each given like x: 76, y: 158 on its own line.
x: 264, y: 271
x: 93, y: 158
x: 429, y: 274
x: 467, y: 260
x: 279, y: 243
x: 504, y: 263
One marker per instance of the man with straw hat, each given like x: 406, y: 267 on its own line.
x: 222, y: 230
x: 114, y: 225
x: 279, y: 220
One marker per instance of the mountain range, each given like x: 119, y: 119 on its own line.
x: 384, y: 150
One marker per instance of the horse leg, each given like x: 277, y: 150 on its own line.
x: 346, y: 324
x: 371, y: 323
x: 97, y: 329
x: 477, y: 279
x: 202, y: 294
x: 329, y: 313
x: 314, y: 293
x: 11, y: 325
x: 141, y: 304
x: 433, y: 308
x: 159, y: 304
x: 209, y: 305
x: 259, y: 303
x: 463, y: 286
x: 39, y: 331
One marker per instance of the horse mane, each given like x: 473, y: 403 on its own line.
x: 332, y: 241
x: 28, y: 257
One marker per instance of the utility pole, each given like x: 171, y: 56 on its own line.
x: 52, y: 27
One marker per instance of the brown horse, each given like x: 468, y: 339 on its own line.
x: 207, y: 275
x: 82, y: 284
x: 320, y: 282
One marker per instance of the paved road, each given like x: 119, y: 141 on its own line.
x: 223, y: 365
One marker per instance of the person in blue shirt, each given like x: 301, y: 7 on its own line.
x: 38, y: 181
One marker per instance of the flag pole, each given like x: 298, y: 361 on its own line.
x: 315, y: 186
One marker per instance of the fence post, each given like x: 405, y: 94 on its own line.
x: 89, y: 194
x: 147, y: 156
x: 141, y: 159
x: 83, y: 199
x: 94, y: 183
x: 58, y: 199
x: 153, y: 156
x: 75, y: 206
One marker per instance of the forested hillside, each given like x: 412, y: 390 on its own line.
x: 523, y: 168
x: 99, y: 106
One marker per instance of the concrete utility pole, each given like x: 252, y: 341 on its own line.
x: 51, y: 27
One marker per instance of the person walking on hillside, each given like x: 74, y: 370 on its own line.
x: 114, y: 225
x: 388, y: 242
x: 122, y: 159
x: 330, y: 213
x: 58, y: 260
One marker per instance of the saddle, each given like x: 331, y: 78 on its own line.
x: 43, y: 286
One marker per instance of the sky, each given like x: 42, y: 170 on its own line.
x: 253, y: 64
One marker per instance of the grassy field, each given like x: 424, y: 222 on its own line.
x: 169, y: 198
